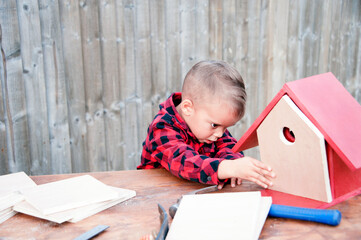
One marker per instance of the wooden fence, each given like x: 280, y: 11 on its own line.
x: 81, y: 80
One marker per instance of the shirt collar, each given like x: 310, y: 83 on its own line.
x: 170, y: 106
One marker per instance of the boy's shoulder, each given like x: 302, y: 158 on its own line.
x: 167, y: 111
x: 164, y: 119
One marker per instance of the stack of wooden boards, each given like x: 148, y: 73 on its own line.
x: 71, y: 199
x: 238, y: 215
x: 10, y: 187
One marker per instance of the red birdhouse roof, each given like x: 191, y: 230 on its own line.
x: 329, y: 106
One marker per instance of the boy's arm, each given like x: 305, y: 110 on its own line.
x: 167, y: 145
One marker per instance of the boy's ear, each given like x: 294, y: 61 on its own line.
x: 187, y: 107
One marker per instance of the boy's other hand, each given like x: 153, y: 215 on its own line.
x: 246, y: 168
x: 234, y: 182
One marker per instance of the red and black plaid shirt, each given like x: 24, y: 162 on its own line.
x: 170, y: 144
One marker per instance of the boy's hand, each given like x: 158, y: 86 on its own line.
x: 234, y: 181
x: 246, y: 168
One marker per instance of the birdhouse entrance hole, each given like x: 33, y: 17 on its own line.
x: 288, y: 135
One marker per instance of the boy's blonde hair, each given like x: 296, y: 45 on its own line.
x: 216, y: 80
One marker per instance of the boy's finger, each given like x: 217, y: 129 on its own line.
x: 262, y: 165
x: 239, y: 181
x: 267, y: 173
x: 259, y: 182
x: 262, y: 181
x: 233, y: 182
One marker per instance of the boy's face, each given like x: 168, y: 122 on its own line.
x: 209, y: 120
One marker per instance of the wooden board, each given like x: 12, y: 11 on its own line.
x: 10, y: 185
x: 14, y: 182
x: 265, y: 206
x: 301, y: 165
x: 10, y: 200
x: 123, y: 195
x: 67, y: 194
x: 7, y: 215
x: 220, y: 216
x: 76, y: 214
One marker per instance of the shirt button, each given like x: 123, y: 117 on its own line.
x: 209, y: 178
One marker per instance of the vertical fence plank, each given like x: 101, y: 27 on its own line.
x: 294, y: 51
x: 356, y: 83
x: 35, y: 86
x: 325, y: 37
x: 158, y: 55
x: 17, y: 135
x: 93, y: 81
x: 202, y: 36
x: 334, y: 55
x: 252, y: 18
x: 348, y: 43
x: 215, y: 29
x: 131, y: 133
x: 15, y: 152
x: 241, y: 38
x: 142, y: 47
x: 173, y: 46
x: 145, y: 82
x: 279, y: 19
x: 311, y: 38
x: 122, y: 50
x: 229, y: 25
x: 60, y: 160
x: 4, y: 164
x: 264, y: 67
x: 129, y: 86
x: 73, y: 66
x: 187, y: 36
x: 111, y: 86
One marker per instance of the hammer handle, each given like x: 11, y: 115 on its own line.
x: 330, y: 217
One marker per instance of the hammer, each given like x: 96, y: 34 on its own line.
x: 325, y: 216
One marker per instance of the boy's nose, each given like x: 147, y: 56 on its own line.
x: 218, y: 133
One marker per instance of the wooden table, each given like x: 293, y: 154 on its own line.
x: 139, y: 216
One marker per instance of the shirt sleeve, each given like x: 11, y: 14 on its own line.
x: 224, y: 147
x: 167, y: 145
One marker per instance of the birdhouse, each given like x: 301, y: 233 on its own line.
x: 310, y: 134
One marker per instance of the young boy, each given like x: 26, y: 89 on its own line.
x: 189, y: 135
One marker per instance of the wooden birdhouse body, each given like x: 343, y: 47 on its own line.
x: 294, y: 156
x: 310, y: 134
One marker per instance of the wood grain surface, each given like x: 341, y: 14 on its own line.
x: 139, y: 216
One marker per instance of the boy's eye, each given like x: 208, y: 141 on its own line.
x: 214, y: 125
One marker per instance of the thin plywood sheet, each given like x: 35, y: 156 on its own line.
x: 13, y: 182
x: 7, y: 215
x: 76, y: 214
x: 10, y: 200
x: 10, y: 185
x: 220, y: 216
x: 68, y: 194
